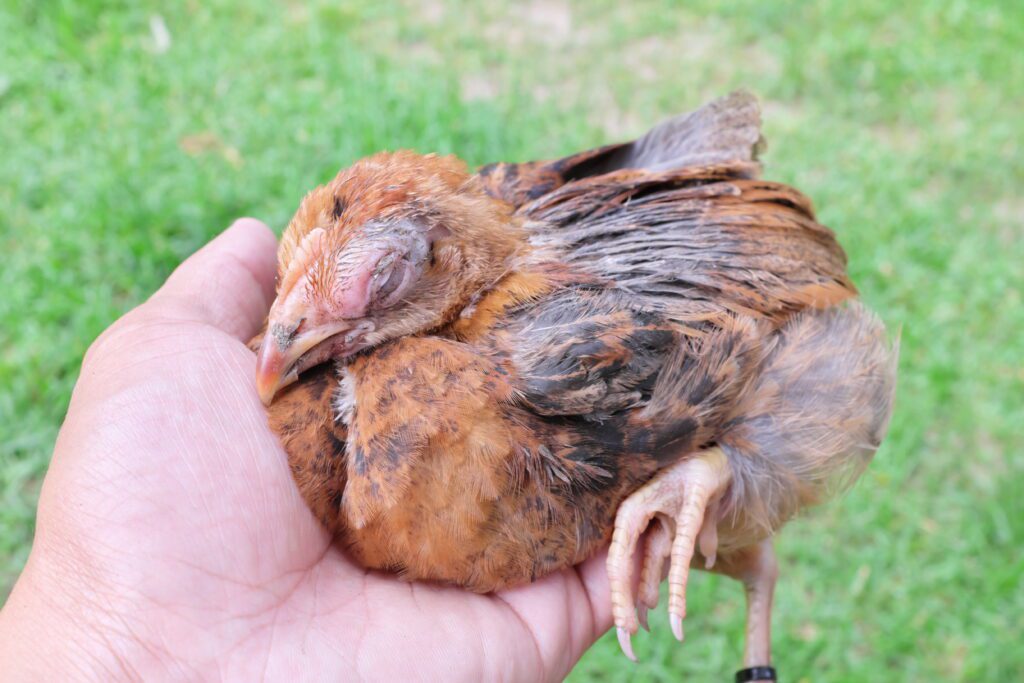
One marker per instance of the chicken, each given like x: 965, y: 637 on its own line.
x: 481, y: 379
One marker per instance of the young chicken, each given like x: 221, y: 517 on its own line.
x: 500, y: 372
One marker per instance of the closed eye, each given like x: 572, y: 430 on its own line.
x: 391, y: 284
x: 394, y: 279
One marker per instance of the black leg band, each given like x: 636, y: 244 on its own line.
x: 755, y: 673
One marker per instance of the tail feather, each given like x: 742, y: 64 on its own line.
x: 813, y: 417
x: 725, y: 129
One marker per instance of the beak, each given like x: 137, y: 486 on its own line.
x: 277, y: 363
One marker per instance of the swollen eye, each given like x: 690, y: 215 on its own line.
x: 390, y: 285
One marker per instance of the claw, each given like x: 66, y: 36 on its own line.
x: 641, y: 615
x: 626, y: 643
x: 677, y: 626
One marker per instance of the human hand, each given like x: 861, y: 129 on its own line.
x: 171, y: 541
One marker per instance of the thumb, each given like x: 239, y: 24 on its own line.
x: 228, y: 284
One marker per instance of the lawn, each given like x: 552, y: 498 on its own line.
x: 130, y: 133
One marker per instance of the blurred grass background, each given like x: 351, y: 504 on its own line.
x: 132, y: 132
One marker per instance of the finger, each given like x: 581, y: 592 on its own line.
x: 593, y: 575
x: 566, y: 613
x: 598, y: 588
x: 228, y: 284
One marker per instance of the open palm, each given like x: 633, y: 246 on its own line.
x: 171, y: 540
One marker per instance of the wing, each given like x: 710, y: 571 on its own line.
x: 449, y: 479
x: 584, y: 350
x: 679, y: 219
x: 697, y: 242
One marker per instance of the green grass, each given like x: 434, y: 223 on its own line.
x: 902, y: 121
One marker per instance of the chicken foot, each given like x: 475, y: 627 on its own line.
x: 684, y: 499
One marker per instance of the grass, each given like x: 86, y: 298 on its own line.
x: 122, y: 153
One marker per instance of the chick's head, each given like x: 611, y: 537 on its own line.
x: 395, y: 245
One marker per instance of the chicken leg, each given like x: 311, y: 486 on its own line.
x: 756, y: 568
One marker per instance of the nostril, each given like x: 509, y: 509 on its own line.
x: 284, y: 335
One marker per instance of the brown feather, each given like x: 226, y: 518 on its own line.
x: 588, y: 322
